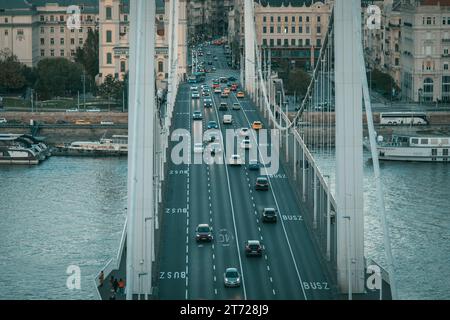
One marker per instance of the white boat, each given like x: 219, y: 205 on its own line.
x: 22, y: 149
x: 428, y: 148
x: 116, y: 146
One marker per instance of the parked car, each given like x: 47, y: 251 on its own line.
x: 3, y: 120
x: 82, y: 122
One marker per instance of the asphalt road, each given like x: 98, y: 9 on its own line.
x: 225, y: 198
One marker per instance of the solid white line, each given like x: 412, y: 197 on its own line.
x: 282, y: 223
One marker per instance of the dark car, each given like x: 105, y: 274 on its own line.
x: 223, y: 106
x: 232, y: 278
x: 269, y: 215
x: 207, y: 103
x: 213, y: 125
x: 232, y: 79
x: 253, y: 165
x: 197, y: 115
x: 203, y: 233
x: 253, y: 248
x: 262, y: 183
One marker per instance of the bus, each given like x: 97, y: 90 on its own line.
x: 403, y: 118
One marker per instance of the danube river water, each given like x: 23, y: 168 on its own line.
x: 70, y: 211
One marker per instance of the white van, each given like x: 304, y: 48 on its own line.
x: 228, y: 119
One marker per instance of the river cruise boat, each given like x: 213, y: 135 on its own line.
x: 426, y: 148
x: 115, y: 146
x: 22, y: 149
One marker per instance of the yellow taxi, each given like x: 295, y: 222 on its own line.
x: 257, y: 125
x: 82, y: 122
x: 240, y: 94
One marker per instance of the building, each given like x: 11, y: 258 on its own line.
x: 425, y: 44
x: 293, y: 30
x: 34, y: 30
x: 114, y: 39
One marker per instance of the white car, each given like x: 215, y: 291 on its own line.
x: 217, y: 90
x: 244, y: 132
x: 235, y: 160
x: 93, y: 110
x: 198, y: 148
x: 246, y: 144
x: 194, y: 88
x: 107, y: 123
x: 195, y: 95
x: 228, y: 119
x: 236, y: 106
x: 3, y: 120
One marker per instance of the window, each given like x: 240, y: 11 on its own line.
x: 6, y: 32
x: 445, y: 152
x: 52, y: 41
x: 80, y: 41
x: 42, y: 30
x: 278, y: 42
x: 279, y: 19
x: 42, y: 18
x: 265, y: 42
x: 160, y: 66
x: 286, y: 42
x: 271, y: 30
x: 108, y: 36
x: 272, y: 42
x: 122, y: 66
x: 61, y: 29
x: 42, y: 41
x: 318, y: 18
x: 108, y: 13
x: 307, y: 18
x: 428, y: 20
x: 307, y: 42
x: 61, y: 18
x: 80, y: 30
x: 444, y: 20
x: 397, y: 62
x: 293, y: 19
x: 6, y: 20
x: 319, y: 42
x: 279, y: 29
x: 300, y: 19
x: 423, y: 141
x: 108, y: 58
x: 446, y: 51
x: 20, y: 32
x: 42, y: 53
x: 318, y: 29
x: 62, y: 53
x: 52, y: 53
x: 293, y: 42
x: 445, y: 66
x: 300, y: 29
x: 286, y: 30
x: 72, y: 52
x: 300, y: 42
x: 286, y: 19
x: 52, y: 18
x: 428, y: 89
x: 264, y: 29
x: 61, y: 41
x: 52, y: 30
x: 72, y: 41
x: 271, y: 18
x: 264, y: 19
x: 307, y: 29
x: 293, y: 29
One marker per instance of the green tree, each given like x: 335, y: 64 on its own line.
x: 297, y: 82
x: 382, y: 82
x: 58, y: 77
x: 111, y: 88
x: 88, y: 55
x: 12, y: 72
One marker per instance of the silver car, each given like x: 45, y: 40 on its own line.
x: 232, y: 278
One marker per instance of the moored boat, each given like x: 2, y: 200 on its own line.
x: 116, y: 146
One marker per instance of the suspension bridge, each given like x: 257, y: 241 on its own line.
x: 316, y: 248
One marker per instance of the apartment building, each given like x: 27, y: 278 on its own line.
x: 33, y: 30
x: 293, y: 30
x: 425, y: 44
x: 114, y: 39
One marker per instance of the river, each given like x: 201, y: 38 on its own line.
x: 70, y: 212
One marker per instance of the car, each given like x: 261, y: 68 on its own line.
x: 240, y: 95
x: 213, y: 125
x: 253, y: 248
x: 208, y: 53
x: 72, y: 110
x: 235, y: 160
x: 215, y: 148
x: 62, y: 122
x: 82, y: 122
x: 207, y: 103
x: 218, y: 90
x: 223, y: 80
x: 194, y: 88
x: 257, y: 125
x: 227, y: 119
x: 203, y: 232
x: 3, y: 120
x: 224, y: 95
x: 216, y: 59
x: 269, y: 215
x: 197, y: 115
x: 107, y: 123
x: 232, y: 79
x: 231, y: 277
x: 262, y: 183
x: 236, y: 106
x: 94, y: 110
x: 244, y: 132
x: 213, y: 69
x: 253, y: 165
x: 227, y: 90
x: 212, y: 136
x: 223, y: 106
x: 210, y: 63
x: 195, y: 95
x: 234, y: 87
x: 198, y: 148
x: 205, y: 87
x: 246, y: 144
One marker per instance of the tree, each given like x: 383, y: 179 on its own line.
x: 88, y: 55
x: 297, y: 82
x: 12, y: 72
x: 111, y: 88
x: 58, y: 77
x: 382, y: 82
